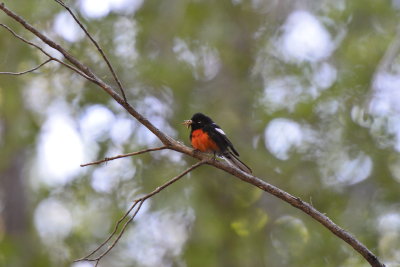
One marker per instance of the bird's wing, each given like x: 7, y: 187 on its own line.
x: 222, y: 140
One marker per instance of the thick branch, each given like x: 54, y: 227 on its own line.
x: 124, y: 155
x: 292, y: 200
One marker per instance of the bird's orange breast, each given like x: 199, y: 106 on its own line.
x: 201, y: 141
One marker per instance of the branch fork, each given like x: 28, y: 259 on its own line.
x: 137, y: 202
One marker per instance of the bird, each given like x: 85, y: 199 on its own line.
x: 207, y: 136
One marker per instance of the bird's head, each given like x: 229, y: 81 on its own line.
x: 198, y: 121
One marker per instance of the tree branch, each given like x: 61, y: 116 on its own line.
x: 306, y: 208
x: 139, y: 201
x: 44, y: 52
x: 124, y: 155
x: 97, y: 46
x: 27, y: 71
x: 165, y: 139
x: 175, y: 145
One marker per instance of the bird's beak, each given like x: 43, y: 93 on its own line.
x: 187, y: 123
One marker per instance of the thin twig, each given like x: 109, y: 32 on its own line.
x: 140, y: 201
x: 27, y: 71
x: 112, y: 233
x: 49, y: 42
x: 23, y: 39
x: 44, y: 52
x: 97, y: 46
x: 124, y: 155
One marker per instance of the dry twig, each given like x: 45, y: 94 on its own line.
x: 97, y: 46
x: 139, y: 201
x: 124, y: 155
x: 44, y: 52
x: 27, y: 71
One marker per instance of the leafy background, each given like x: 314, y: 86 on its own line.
x: 302, y: 88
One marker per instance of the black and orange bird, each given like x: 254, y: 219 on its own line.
x: 207, y: 136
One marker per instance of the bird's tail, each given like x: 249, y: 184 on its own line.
x: 234, y: 161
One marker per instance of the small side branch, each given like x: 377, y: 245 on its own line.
x: 110, y: 67
x: 44, y: 52
x: 45, y: 39
x: 124, y: 155
x: 136, y: 204
x: 27, y: 71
